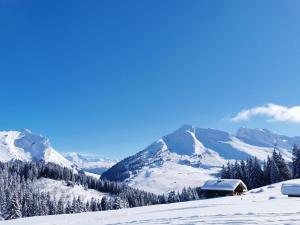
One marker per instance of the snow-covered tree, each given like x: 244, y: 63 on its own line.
x: 173, y: 197
x: 14, y: 208
x: 60, y: 207
x: 296, y: 162
x: 274, y: 173
x: 256, y: 175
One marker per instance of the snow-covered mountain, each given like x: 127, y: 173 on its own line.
x: 90, y: 162
x: 192, y: 155
x: 185, y: 157
x: 265, y: 138
x: 26, y: 146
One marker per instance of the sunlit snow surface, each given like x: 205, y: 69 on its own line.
x: 260, y: 206
x: 60, y: 189
x: 171, y: 176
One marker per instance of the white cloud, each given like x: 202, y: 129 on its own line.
x: 272, y: 111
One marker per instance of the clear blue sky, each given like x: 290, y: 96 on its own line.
x: 113, y: 76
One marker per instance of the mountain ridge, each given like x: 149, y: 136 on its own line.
x: 193, y: 154
x: 185, y: 157
x: 26, y: 146
x: 90, y: 162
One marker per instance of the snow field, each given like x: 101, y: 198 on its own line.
x: 264, y: 205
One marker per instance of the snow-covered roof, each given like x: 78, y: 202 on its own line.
x: 291, y: 187
x: 223, y: 185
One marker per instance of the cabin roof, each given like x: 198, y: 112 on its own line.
x: 223, y: 185
x: 291, y: 187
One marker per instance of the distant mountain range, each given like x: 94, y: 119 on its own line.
x: 191, y: 155
x: 186, y: 157
x: 90, y: 162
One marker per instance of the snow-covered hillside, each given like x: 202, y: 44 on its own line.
x: 171, y: 176
x: 60, y: 189
x: 26, y: 146
x: 265, y: 205
x: 90, y: 162
x: 265, y: 138
x: 191, y: 155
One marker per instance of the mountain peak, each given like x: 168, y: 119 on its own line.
x: 193, y: 154
x: 186, y: 127
x: 25, y: 146
x: 25, y: 131
x: 183, y: 141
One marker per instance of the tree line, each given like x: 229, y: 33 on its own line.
x: 256, y: 174
x: 19, y: 197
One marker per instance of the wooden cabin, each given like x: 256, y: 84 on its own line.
x: 291, y: 188
x: 223, y: 187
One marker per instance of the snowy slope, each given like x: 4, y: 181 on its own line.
x: 265, y: 138
x: 58, y: 189
x: 190, y: 155
x: 90, y: 162
x: 171, y: 176
x: 26, y: 146
x: 259, y: 206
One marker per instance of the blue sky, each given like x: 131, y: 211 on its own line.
x: 113, y: 76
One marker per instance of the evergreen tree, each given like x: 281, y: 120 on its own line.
x: 117, y: 204
x: 14, y: 209
x: 224, y: 172
x: 244, y: 176
x: 256, y: 175
x: 75, y: 207
x: 173, y: 197
x: 69, y: 209
x: 104, y: 203
x: 60, y: 207
x: 267, y: 171
x: 249, y: 168
x: 51, y: 205
x: 296, y: 162
x: 99, y: 206
x: 184, y: 195
x: 87, y: 206
x: 237, y: 172
x: 283, y: 168
x: 93, y: 205
x: 227, y: 172
x: 274, y: 173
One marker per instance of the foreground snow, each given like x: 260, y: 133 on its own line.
x: 260, y: 206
